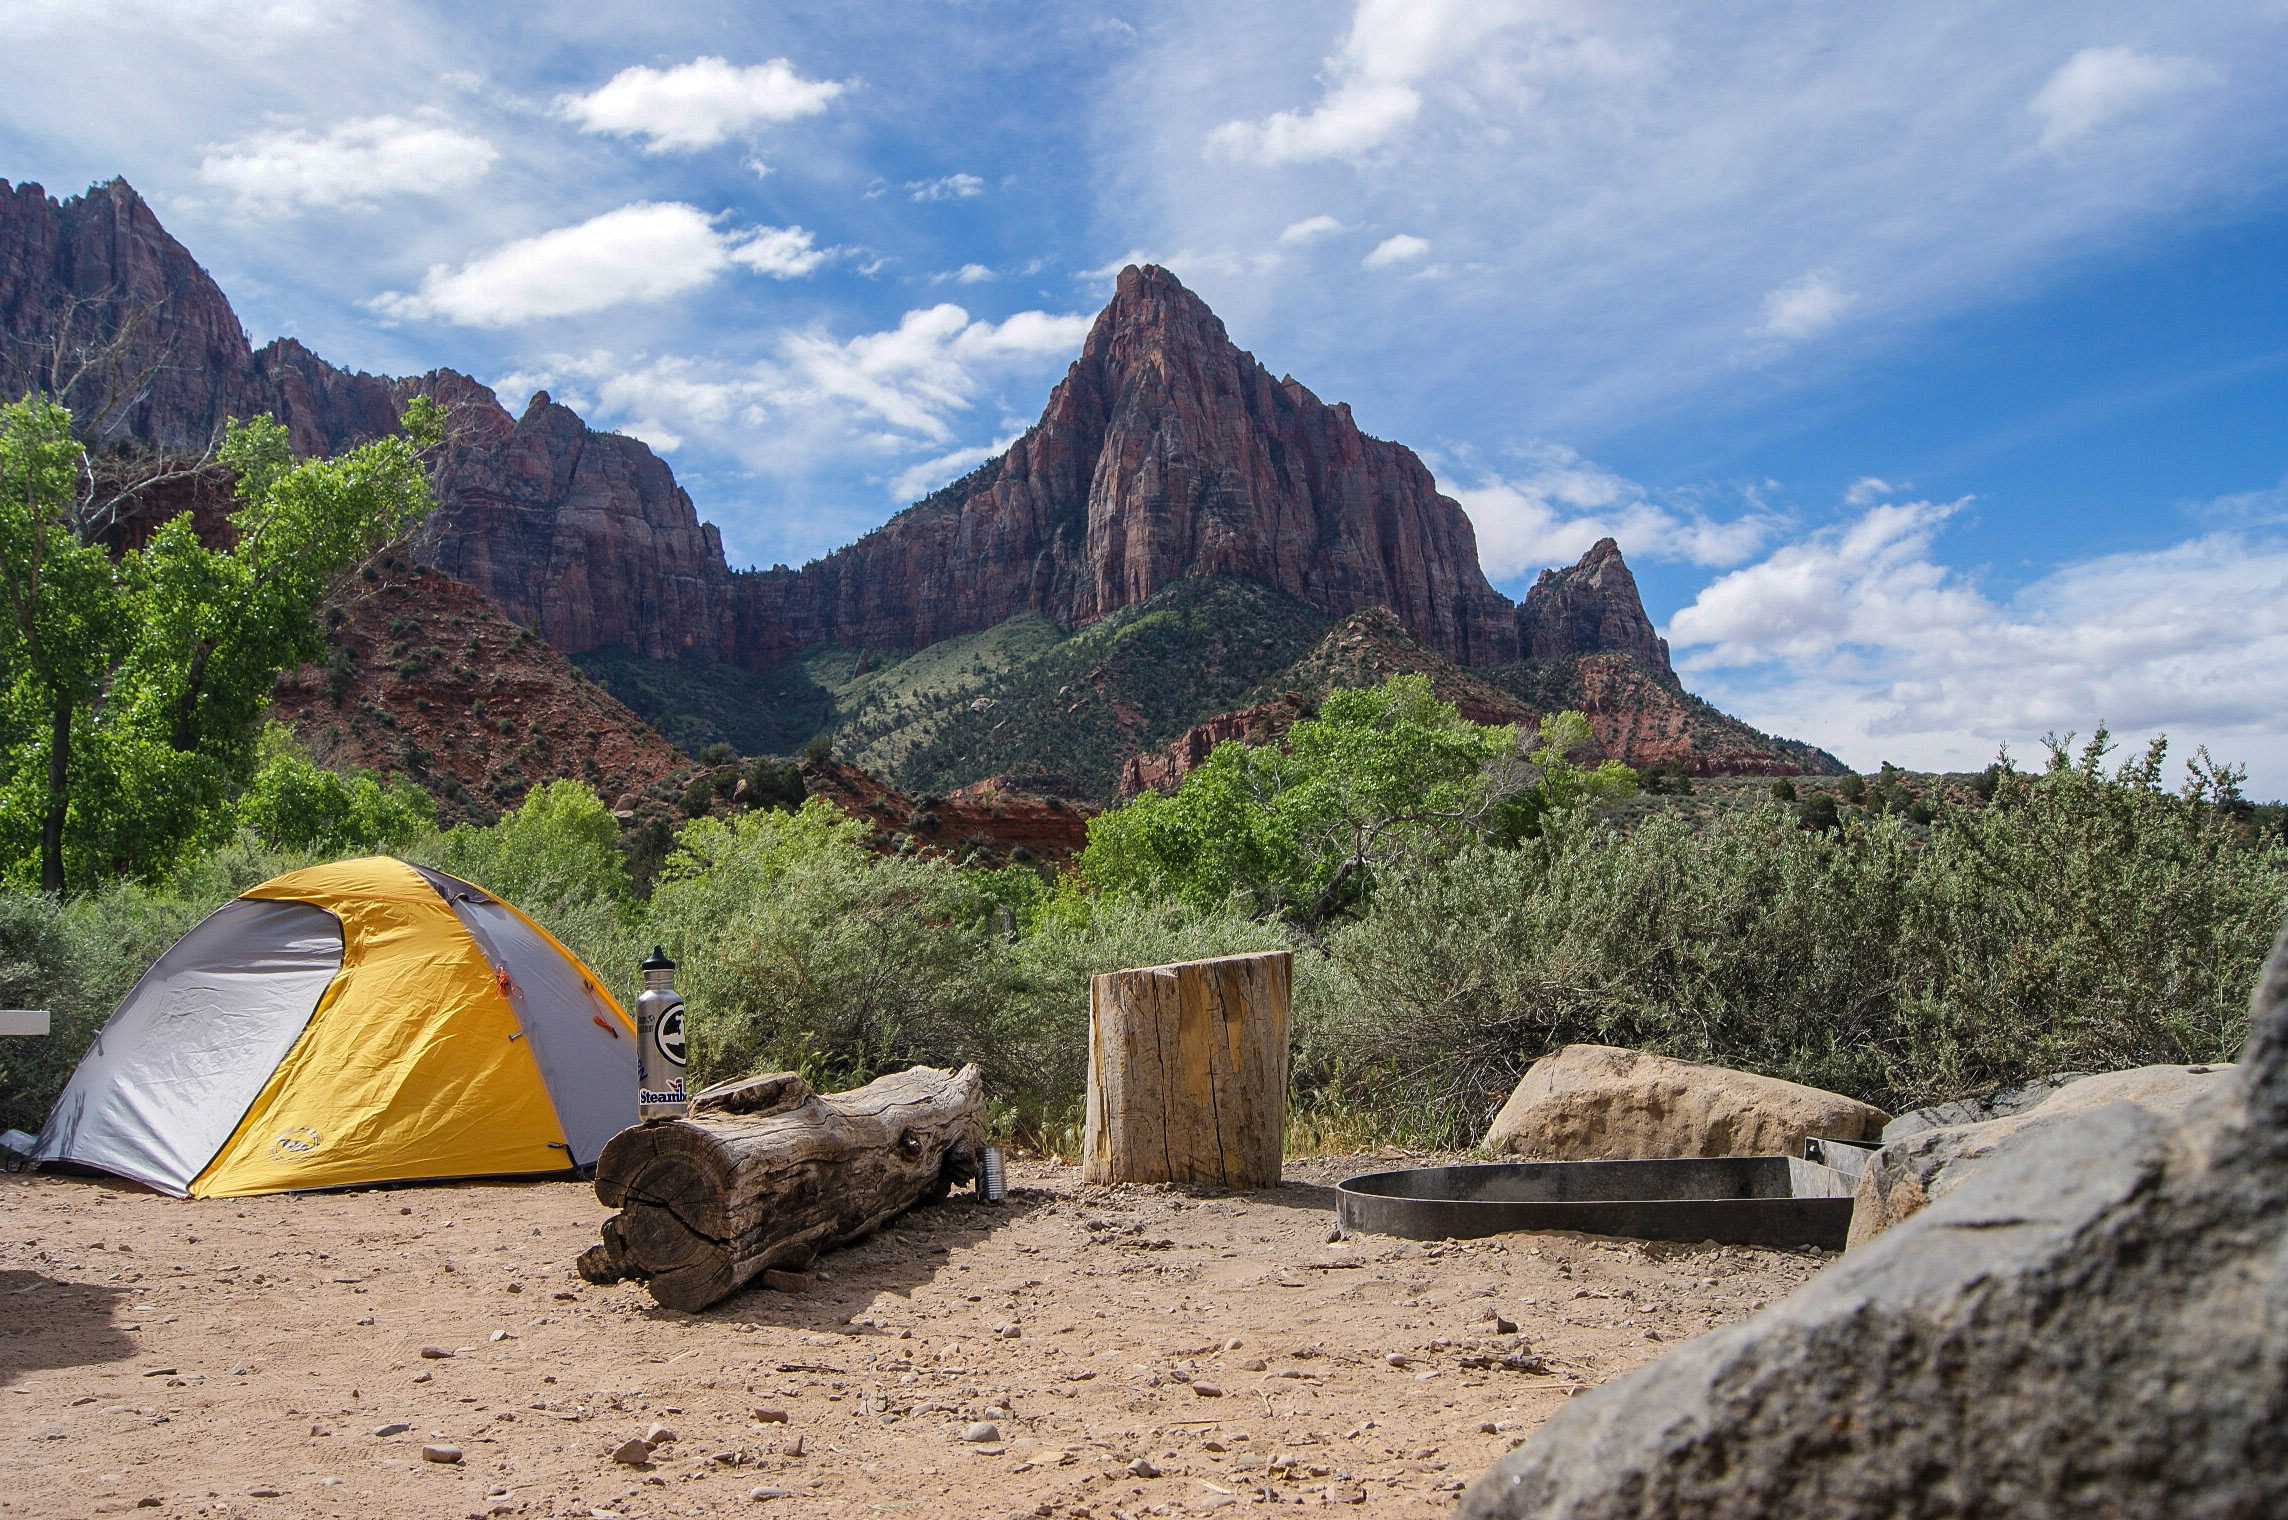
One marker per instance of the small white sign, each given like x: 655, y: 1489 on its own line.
x: 23, y: 1021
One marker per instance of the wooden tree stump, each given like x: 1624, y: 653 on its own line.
x: 765, y: 1173
x: 1187, y: 1072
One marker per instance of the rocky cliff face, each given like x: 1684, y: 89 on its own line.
x: 582, y: 536
x: 1591, y: 608
x: 1165, y: 452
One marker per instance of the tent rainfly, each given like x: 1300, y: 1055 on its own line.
x: 366, y: 1021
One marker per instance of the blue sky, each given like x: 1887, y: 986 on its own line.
x: 1928, y: 362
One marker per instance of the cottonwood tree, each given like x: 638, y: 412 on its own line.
x: 132, y: 687
x: 1301, y: 828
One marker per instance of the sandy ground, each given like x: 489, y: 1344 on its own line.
x: 1140, y: 1351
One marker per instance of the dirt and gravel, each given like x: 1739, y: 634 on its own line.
x: 1070, y: 1352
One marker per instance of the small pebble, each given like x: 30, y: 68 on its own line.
x: 422, y: 1377
x: 1233, y: 1344
x: 791, y: 1446
x: 757, y: 1495
x: 633, y: 1452
x: 439, y: 1451
x: 265, y: 1491
x: 771, y: 1416
x: 392, y: 1428
x: 437, y: 1353
x: 1399, y: 1359
x: 659, y: 1435
x: 1142, y: 1467
x: 983, y: 1430
x: 1255, y: 1365
x: 367, y: 1320
x: 1207, y: 1390
x: 238, y: 1370
x: 502, y: 1335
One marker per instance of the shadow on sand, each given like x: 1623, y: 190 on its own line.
x: 904, y: 1254
x: 52, y: 1322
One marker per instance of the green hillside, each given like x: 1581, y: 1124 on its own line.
x: 1072, y: 713
x: 1062, y: 708
x: 697, y: 701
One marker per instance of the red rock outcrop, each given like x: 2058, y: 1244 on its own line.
x: 1590, y: 607
x: 583, y: 537
x: 425, y: 679
x: 1161, y: 770
x: 981, y: 822
x: 1638, y: 716
x: 1166, y: 451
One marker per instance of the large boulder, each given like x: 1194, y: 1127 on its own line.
x: 2097, y: 1328
x: 1912, y: 1170
x: 1999, y: 1104
x: 1602, y: 1103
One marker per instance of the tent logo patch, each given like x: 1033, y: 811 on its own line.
x: 296, y: 1143
x: 669, y: 1035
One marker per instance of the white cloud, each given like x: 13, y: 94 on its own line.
x: 1558, y: 504
x: 1617, y: 191
x: 952, y: 187
x: 918, y: 480
x: 1866, y: 490
x: 1858, y: 638
x: 1309, y: 230
x: 1374, y: 90
x: 967, y: 274
x: 649, y: 251
x: 2100, y: 85
x: 783, y: 252
x: 355, y: 163
x: 1804, y: 308
x: 1396, y: 250
x: 697, y: 104
x: 894, y: 393
x: 915, y: 375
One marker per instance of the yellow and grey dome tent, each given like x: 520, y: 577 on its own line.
x: 365, y: 1021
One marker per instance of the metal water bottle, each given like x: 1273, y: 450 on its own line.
x: 659, y: 1042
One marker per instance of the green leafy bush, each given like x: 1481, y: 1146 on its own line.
x: 805, y: 951
x: 293, y: 804
x: 2084, y: 921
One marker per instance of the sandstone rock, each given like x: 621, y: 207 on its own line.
x: 1590, y: 607
x: 1923, y: 1165
x: 983, y: 1430
x: 1602, y: 1103
x: 2094, y: 1330
x: 442, y: 1452
x: 1165, y: 451
x: 635, y: 1451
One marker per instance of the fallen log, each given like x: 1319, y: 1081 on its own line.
x: 765, y: 1173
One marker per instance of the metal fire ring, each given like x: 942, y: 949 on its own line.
x: 1734, y: 1200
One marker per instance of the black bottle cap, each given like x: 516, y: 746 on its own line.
x: 658, y: 961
